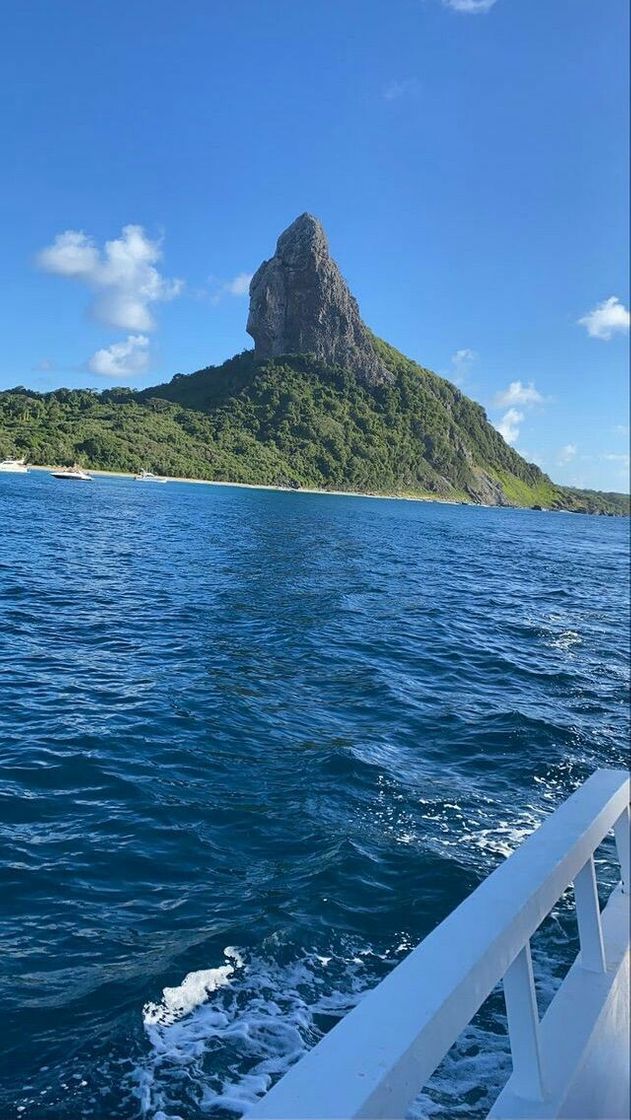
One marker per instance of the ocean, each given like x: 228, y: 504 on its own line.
x: 255, y: 746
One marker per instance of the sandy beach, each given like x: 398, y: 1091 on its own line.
x: 280, y: 489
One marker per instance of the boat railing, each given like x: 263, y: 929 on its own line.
x: 376, y: 1060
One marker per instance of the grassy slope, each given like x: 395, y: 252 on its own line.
x: 291, y: 420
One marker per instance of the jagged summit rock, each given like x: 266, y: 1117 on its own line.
x: 300, y: 304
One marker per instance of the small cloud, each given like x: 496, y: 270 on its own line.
x: 46, y: 365
x: 218, y: 289
x: 566, y: 454
x: 71, y: 254
x: 464, y: 355
x: 239, y: 285
x: 606, y: 319
x: 462, y: 359
x: 536, y: 457
x: 622, y: 462
x: 472, y: 7
x: 527, y: 396
x: 517, y: 393
x: 508, y: 426
x: 123, y: 275
x: 461, y: 363
x: 613, y: 458
x: 621, y: 430
x: 122, y: 359
x: 395, y: 90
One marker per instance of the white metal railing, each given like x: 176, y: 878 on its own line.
x: 375, y: 1061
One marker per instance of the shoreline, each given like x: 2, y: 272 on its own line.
x: 333, y: 493
x: 287, y: 489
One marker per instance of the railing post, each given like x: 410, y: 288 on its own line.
x: 523, y: 1027
x: 588, y: 917
x: 622, y: 833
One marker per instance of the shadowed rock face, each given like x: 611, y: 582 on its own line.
x: 300, y: 304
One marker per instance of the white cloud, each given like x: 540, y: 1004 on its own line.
x: 473, y: 7
x: 464, y: 355
x: 566, y: 454
x: 508, y: 426
x: 218, y: 289
x: 518, y: 394
x: 623, y: 462
x: 461, y: 363
x: 123, y: 275
x: 606, y: 319
x: 611, y: 458
x: 46, y: 365
x: 239, y: 285
x: 71, y: 254
x: 122, y: 359
x: 405, y: 87
x: 537, y: 457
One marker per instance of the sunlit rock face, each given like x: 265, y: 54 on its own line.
x: 300, y: 304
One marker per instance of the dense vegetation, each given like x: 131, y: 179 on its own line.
x: 290, y: 421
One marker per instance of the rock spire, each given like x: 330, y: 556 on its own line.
x: 300, y: 304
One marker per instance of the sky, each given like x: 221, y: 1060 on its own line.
x: 467, y: 158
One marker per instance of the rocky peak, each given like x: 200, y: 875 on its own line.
x: 300, y: 304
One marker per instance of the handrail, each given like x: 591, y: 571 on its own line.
x: 375, y: 1061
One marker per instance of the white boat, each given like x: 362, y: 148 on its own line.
x: 148, y: 476
x: 14, y: 466
x: 76, y: 473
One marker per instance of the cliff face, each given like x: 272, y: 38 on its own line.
x: 300, y: 304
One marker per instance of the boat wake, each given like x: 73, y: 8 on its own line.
x: 220, y: 1039
x: 224, y: 1035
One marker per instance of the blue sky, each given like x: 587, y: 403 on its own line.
x: 468, y: 159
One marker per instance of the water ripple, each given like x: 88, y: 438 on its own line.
x: 295, y: 730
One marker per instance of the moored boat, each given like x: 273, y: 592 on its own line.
x: 75, y: 473
x: 149, y: 476
x: 14, y: 466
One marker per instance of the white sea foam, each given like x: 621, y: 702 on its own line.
x: 558, y: 630
x: 193, y: 991
x: 220, y: 1038
x: 503, y: 838
x: 474, y: 828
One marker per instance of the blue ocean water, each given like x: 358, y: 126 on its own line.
x: 255, y: 745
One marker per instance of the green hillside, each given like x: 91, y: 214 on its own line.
x: 291, y: 421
